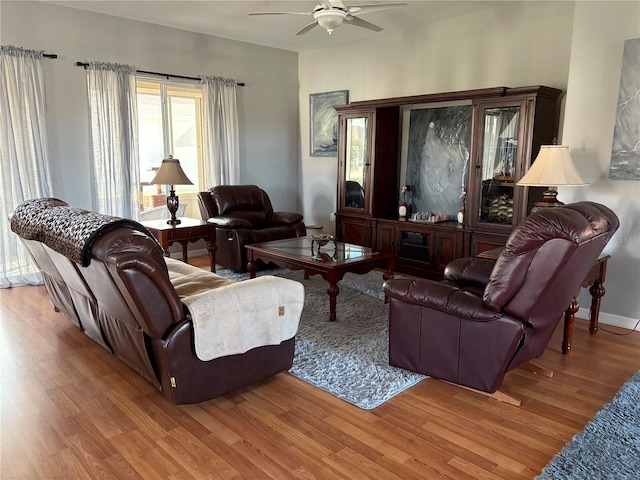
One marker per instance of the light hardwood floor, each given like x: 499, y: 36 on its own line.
x: 70, y: 410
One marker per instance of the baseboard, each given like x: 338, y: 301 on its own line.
x: 611, y: 319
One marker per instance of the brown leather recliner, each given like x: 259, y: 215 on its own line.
x: 243, y: 215
x: 488, y: 317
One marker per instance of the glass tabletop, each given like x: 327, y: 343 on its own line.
x: 311, y: 249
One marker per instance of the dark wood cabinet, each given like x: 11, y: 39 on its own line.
x: 507, y: 127
x: 386, y: 235
x: 367, y: 169
x: 481, y: 242
x: 507, y: 137
x: 447, y: 247
x: 354, y: 229
x: 422, y: 249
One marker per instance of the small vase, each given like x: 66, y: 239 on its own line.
x: 463, y: 206
x: 402, y: 210
x: 461, y: 213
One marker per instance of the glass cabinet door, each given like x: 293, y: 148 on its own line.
x: 355, y: 167
x: 499, y: 157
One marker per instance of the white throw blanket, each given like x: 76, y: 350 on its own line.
x: 236, y: 317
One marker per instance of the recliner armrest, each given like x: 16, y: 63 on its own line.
x: 206, y: 205
x: 284, y: 218
x: 439, y: 296
x: 467, y: 270
x: 230, y: 222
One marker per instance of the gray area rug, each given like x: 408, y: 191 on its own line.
x: 349, y: 357
x: 608, y: 447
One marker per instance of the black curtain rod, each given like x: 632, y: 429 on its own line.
x: 167, y: 75
x: 50, y: 55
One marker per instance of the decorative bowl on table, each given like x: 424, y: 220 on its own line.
x: 322, y: 238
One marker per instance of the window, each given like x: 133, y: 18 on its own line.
x: 170, y: 123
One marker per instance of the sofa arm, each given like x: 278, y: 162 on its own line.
x: 235, y: 318
x: 467, y: 270
x: 284, y: 218
x: 230, y: 222
x: 439, y: 296
x: 206, y: 205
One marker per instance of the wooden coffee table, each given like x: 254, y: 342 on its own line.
x: 330, y: 261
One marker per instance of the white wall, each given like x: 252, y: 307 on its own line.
x: 268, y: 104
x: 600, y: 29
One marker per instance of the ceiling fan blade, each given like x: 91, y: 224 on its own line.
x: 279, y: 13
x: 358, y: 22
x: 374, y: 7
x: 305, y: 29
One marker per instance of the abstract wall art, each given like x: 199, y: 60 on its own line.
x: 625, y: 151
x: 323, y: 122
x: 437, y: 157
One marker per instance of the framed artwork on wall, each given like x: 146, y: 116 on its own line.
x: 323, y: 122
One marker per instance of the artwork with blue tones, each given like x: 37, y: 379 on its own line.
x: 438, y: 157
x: 323, y: 122
x: 625, y: 152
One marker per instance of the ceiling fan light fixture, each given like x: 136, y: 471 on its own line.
x: 330, y: 20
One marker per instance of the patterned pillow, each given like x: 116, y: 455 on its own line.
x: 67, y: 230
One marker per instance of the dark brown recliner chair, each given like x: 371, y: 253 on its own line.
x: 243, y: 215
x: 353, y: 195
x: 487, y: 318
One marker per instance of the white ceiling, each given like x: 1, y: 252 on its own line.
x: 229, y: 19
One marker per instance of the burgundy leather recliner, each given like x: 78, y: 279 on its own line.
x: 488, y: 317
x: 243, y: 214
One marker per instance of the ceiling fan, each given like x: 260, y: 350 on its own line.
x: 331, y: 14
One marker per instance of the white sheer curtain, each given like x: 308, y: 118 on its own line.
x: 220, y: 125
x: 114, y: 139
x: 24, y: 158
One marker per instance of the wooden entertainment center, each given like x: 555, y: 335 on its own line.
x: 476, y: 142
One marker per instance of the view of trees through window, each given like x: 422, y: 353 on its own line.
x: 169, y: 123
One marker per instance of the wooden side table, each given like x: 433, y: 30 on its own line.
x: 594, y: 280
x: 188, y: 230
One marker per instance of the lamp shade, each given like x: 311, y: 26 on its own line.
x: 552, y: 167
x: 171, y: 173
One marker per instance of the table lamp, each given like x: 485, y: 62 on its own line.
x: 171, y: 173
x: 552, y: 167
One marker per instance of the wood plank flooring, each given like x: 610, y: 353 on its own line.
x: 70, y: 410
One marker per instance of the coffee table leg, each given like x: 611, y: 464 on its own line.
x: 251, y: 264
x: 333, y: 292
x: 185, y: 257
x: 212, y: 247
x: 251, y: 267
